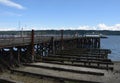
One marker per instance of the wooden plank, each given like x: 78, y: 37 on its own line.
x: 73, y: 60
x: 86, y: 51
x: 53, y: 76
x: 79, y: 65
x: 68, y: 70
x: 83, y: 55
x: 80, y: 58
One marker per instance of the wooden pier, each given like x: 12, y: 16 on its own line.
x: 75, y: 52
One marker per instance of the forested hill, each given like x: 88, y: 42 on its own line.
x: 67, y: 32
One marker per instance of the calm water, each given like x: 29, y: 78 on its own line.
x: 112, y: 43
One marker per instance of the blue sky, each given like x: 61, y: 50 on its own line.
x: 60, y: 14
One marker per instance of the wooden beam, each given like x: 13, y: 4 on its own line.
x: 32, y: 46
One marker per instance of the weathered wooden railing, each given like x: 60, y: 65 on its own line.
x: 26, y: 40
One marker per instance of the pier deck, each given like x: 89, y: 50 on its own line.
x: 21, y: 41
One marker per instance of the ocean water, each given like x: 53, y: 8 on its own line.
x: 112, y: 43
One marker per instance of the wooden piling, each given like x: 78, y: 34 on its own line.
x: 62, y: 47
x: 98, y: 42
x: 53, y: 45
x: 18, y: 55
x: 32, y: 46
x: 11, y: 57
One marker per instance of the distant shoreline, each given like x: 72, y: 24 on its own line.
x: 67, y: 32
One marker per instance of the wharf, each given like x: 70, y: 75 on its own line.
x: 64, y: 58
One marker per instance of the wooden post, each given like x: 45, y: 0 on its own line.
x: 82, y: 42
x: 53, y: 45
x: 11, y: 57
x: 99, y: 43
x: 42, y: 46
x: 92, y: 42
x: 32, y: 46
x: 77, y: 42
x: 62, y: 47
x: 18, y: 55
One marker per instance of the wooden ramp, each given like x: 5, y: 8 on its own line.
x: 85, y: 62
x: 81, y: 70
x: 38, y: 70
x: 94, y: 58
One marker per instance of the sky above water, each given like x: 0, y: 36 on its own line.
x: 60, y: 14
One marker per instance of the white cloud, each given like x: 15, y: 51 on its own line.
x: 105, y: 27
x: 100, y: 27
x: 86, y: 27
x: 7, y: 29
x: 11, y: 4
x: 97, y: 27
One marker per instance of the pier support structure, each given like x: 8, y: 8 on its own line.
x: 32, y: 46
x: 28, y: 53
x: 18, y: 54
x: 62, y: 47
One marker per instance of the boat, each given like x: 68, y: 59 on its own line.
x: 95, y: 35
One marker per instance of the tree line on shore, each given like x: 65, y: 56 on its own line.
x: 58, y: 32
